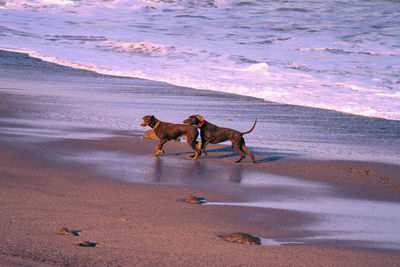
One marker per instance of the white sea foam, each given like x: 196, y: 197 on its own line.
x: 227, y: 46
x: 145, y: 48
x: 38, y: 3
x: 261, y: 67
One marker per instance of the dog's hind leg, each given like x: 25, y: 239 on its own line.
x: 197, y: 153
x: 199, y: 145
x: 244, y: 148
x: 193, y: 145
x: 237, y: 148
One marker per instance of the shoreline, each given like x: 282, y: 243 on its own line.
x: 89, y: 69
x: 289, y: 129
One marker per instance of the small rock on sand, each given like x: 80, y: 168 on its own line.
x: 87, y: 244
x: 195, y: 200
x: 65, y: 231
x: 243, y: 238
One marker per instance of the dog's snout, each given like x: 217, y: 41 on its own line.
x: 188, y: 121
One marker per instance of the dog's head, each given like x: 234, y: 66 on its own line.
x: 149, y: 120
x: 193, y: 120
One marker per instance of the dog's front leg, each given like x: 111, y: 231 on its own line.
x: 159, y: 147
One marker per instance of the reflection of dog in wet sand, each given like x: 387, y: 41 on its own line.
x: 213, y: 134
x: 166, y: 131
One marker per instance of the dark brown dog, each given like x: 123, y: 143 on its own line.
x: 166, y: 131
x: 213, y: 134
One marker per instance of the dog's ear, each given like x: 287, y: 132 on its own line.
x: 200, y: 118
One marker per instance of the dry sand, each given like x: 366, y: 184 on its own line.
x: 143, y: 225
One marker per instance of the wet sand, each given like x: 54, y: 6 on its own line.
x: 136, y: 224
x: 377, y: 181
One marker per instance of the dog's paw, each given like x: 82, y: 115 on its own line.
x: 239, y: 160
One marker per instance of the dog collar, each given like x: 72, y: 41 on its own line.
x: 157, y: 124
x: 201, y: 124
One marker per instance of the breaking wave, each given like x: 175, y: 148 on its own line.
x: 310, y: 53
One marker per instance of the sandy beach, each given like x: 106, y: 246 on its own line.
x: 145, y: 225
x: 103, y: 184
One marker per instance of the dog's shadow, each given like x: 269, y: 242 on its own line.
x: 262, y: 155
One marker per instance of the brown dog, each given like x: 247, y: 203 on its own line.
x: 166, y: 131
x: 213, y: 134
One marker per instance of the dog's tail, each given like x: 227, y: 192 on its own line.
x: 252, y: 128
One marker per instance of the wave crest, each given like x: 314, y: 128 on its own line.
x: 145, y: 48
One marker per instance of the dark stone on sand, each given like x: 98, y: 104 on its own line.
x: 65, y: 231
x: 195, y: 200
x: 243, y: 238
x: 87, y: 244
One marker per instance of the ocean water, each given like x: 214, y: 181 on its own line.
x: 336, y: 55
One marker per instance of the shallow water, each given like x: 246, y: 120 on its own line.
x: 364, y: 223
x: 372, y: 224
x: 337, y: 55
